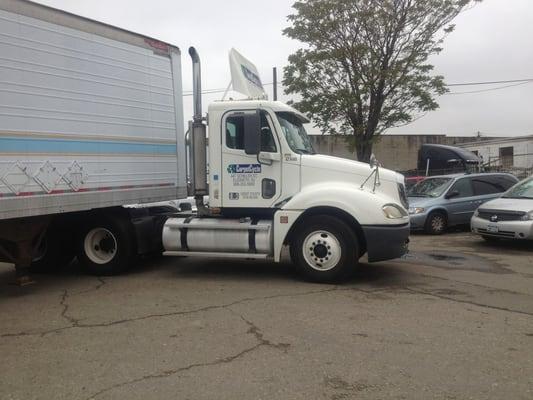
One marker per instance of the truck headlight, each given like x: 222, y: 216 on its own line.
x: 416, y: 210
x: 394, y: 211
x: 528, y: 216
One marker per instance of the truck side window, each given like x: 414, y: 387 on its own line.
x: 235, y: 134
x: 268, y: 144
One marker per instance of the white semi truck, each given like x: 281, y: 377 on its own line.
x: 91, y: 119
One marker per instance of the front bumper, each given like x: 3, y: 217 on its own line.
x: 385, y: 242
x: 503, y: 229
x: 418, y: 221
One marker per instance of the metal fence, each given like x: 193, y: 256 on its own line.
x: 519, y: 165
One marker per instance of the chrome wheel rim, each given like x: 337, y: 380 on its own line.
x: 437, y: 223
x: 322, y: 250
x: 100, y: 246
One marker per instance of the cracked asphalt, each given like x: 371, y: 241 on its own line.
x: 452, y: 320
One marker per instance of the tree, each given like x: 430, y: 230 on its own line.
x: 365, y: 66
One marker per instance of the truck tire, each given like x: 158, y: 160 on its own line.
x: 106, y: 246
x: 56, y: 250
x: 436, y: 223
x: 325, y: 249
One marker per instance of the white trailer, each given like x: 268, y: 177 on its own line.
x: 91, y: 119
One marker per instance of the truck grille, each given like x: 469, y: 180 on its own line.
x: 497, y: 215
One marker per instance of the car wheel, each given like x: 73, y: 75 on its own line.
x: 325, y: 249
x: 436, y: 223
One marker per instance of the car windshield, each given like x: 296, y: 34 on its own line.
x: 430, y: 187
x: 295, y: 133
x: 522, y: 190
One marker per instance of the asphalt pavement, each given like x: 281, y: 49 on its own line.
x: 452, y: 320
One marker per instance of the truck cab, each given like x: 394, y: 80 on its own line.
x: 268, y: 188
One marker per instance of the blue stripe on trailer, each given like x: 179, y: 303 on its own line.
x: 33, y: 145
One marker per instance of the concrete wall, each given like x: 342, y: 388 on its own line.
x: 490, y: 151
x: 397, y: 152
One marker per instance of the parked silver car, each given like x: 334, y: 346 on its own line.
x: 509, y: 217
x: 446, y: 200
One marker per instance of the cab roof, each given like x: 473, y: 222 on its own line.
x: 276, y: 106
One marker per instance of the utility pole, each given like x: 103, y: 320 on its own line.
x: 275, y: 84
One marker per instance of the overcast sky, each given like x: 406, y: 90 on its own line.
x: 491, y: 42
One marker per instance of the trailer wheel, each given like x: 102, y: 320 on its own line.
x: 56, y: 251
x: 325, y: 249
x: 106, y: 246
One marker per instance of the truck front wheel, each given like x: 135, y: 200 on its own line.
x: 106, y: 246
x: 324, y: 248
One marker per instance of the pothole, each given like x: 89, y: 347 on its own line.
x: 452, y: 260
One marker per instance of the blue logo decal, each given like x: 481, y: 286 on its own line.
x: 244, y: 169
x: 251, y: 77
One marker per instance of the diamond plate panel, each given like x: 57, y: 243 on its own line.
x: 75, y: 176
x: 47, y: 176
x: 17, y: 177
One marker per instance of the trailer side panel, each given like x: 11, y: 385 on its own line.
x: 89, y: 114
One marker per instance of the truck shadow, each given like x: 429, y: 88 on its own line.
x: 250, y: 271
x: 253, y: 270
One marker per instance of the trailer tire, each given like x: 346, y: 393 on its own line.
x: 106, y: 246
x: 325, y: 249
x: 56, y: 250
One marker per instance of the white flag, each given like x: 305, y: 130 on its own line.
x: 245, y: 77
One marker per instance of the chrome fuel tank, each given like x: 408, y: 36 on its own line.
x: 218, y: 235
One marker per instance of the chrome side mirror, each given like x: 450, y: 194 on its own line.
x: 373, y: 162
x: 374, y: 166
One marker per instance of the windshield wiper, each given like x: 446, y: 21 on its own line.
x: 304, y: 151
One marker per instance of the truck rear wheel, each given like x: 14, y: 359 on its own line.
x: 55, y: 251
x: 106, y: 246
x: 325, y: 249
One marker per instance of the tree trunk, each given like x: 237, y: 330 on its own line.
x: 364, y: 150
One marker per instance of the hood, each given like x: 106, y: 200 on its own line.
x: 422, y: 201
x: 343, y: 165
x: 504, y: 204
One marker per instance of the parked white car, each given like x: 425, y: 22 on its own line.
x: 508, y: 217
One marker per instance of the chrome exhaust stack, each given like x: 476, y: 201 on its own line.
x: 198, y: 148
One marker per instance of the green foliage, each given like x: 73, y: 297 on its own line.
x: 364, y: 64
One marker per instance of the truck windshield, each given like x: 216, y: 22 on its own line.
x: 295, y: 133
x: 430, y: 187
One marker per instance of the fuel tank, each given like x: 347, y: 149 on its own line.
x: 218, y: 235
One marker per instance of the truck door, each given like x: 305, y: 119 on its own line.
x: 249, y: 180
